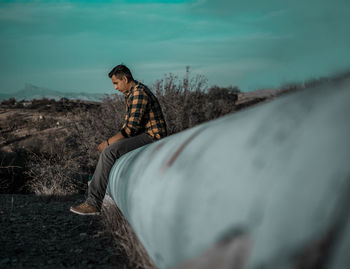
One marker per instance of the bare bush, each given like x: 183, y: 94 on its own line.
x: 55, y: 173
x: 84, y: 134
x: 187, y: 102
x: 16, y: 121
x: 11, y: 102
x: 89, y: 128
x: 113, y: 109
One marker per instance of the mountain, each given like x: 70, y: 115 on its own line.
x: 31, y: 92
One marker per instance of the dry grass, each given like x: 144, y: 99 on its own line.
x: 187, y: 102
x: 125, y: 237
x: 54, y: 174
x: 87, y: 128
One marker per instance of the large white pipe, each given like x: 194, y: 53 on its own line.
x: 279, y: 172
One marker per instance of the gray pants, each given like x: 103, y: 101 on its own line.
x: 108, y: 157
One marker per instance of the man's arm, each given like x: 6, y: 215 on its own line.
x: 110, y: 140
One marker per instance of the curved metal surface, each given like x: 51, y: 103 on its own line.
x: 279, y: 172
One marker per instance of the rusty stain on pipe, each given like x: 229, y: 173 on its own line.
x: 173, y: 158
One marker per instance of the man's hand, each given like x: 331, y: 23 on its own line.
x: 102, y: 146
x: 111, y: 140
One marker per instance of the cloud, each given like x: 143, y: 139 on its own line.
x: 236, y: 42
x: 32, y: 12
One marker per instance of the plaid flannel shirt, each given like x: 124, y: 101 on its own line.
x: 143, y: 114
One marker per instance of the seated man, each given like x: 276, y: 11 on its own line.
x: 144, y: 123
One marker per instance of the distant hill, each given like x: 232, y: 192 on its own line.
x: 31, y: 92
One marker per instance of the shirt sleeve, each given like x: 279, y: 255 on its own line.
x: 138, y: 101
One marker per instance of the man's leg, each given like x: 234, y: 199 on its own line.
x: 107, y: 158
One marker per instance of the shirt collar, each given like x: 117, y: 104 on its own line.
x: 134, y: 83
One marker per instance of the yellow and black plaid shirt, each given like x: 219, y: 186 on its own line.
x: 143, y: 114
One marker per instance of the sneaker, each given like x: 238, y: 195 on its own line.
x: 85, y: 209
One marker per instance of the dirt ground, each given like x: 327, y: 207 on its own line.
x: 41, y: 233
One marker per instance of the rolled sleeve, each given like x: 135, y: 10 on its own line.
x: 138, y: 101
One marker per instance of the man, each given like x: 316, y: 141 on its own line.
x: 144, y: 123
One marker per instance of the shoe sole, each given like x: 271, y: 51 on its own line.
x: 85, y: 214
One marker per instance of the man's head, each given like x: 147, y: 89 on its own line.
x: 121, y: 78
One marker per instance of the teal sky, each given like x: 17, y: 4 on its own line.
x: 71, y: 45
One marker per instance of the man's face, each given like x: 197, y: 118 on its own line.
x: 120, y: 84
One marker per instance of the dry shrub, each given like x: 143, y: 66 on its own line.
x: 88, y: 128
x: 125, y: 237
x: 314, y: 82
x: 113, y: 111
x: 54, y: 173
x: 84, y: 135
x: 15, y: 121
x: 64, y: 166
x: 187, y: 102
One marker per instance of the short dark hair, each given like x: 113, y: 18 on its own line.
x: 119, y: 71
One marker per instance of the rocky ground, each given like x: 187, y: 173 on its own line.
x: 42, y: 233
x: 25, y: 128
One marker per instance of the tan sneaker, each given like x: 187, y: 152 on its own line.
x: 85, y: 209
